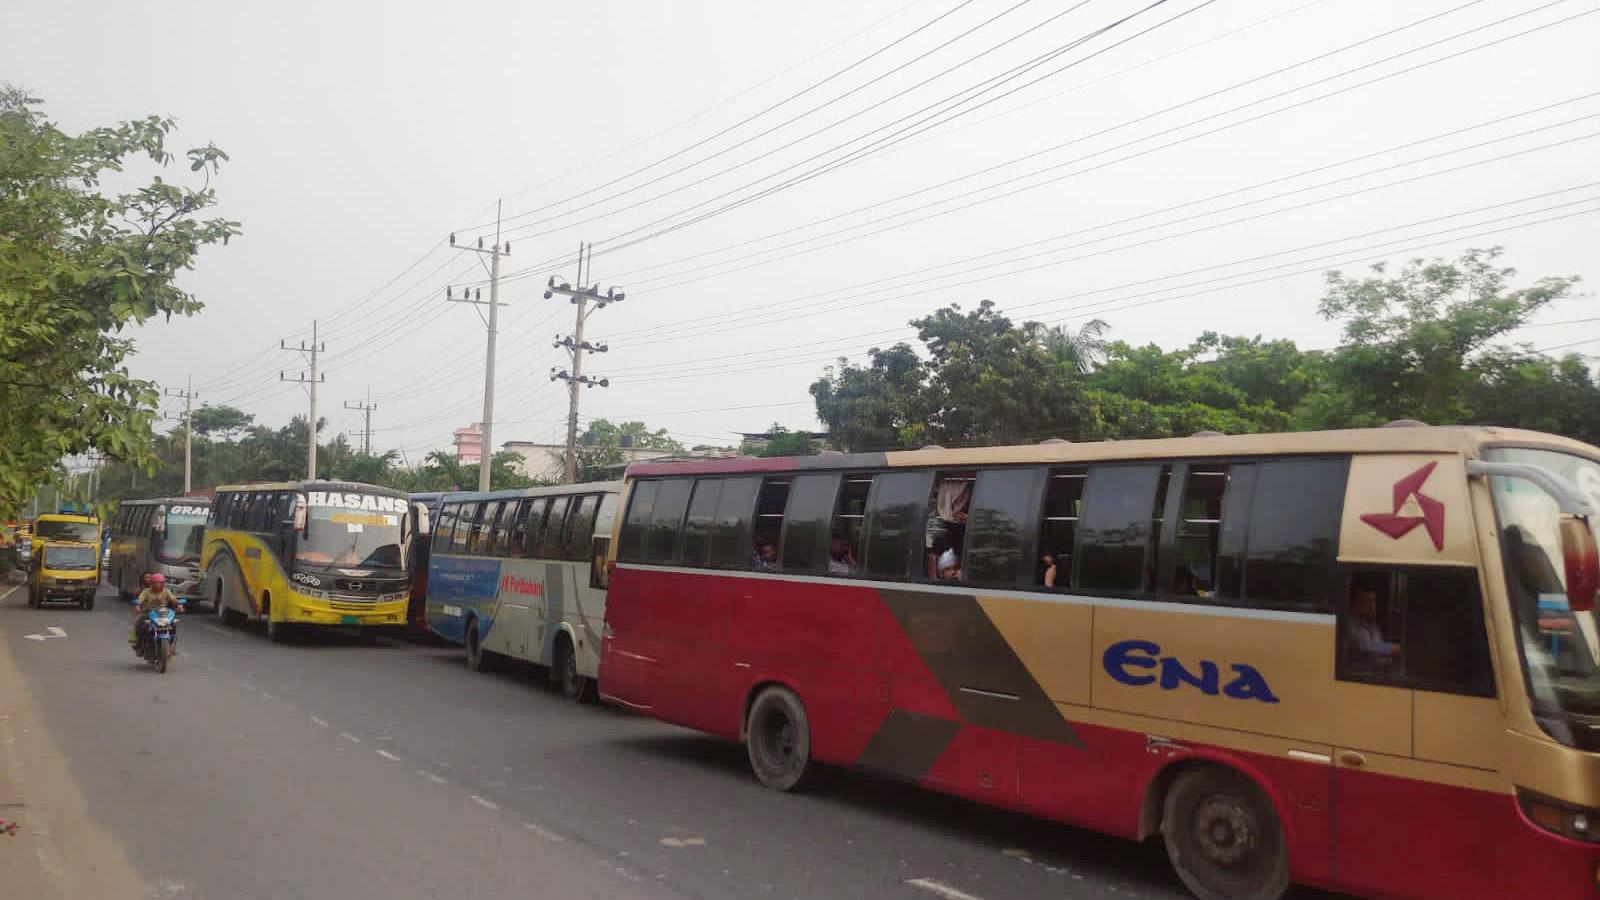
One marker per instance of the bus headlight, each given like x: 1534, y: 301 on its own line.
x: 1560, y: 818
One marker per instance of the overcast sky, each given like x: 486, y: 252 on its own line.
x: 1151, y: 165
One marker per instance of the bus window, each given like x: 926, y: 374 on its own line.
x: 1294, y: 532
x: 945, y: 541
x: 698, y: 524
x: 1199, y: 530
x: 507, y: 542
x: 768, y: 525
x: 580, y: 527
x: 641, y: 502
x: 732, y: 533
x: 806, y: 522
x: 489, y: 526
x: 445, y: 528
x: 666, y: 520
x: 1231, y: 540
x: 848, y: 534
x: 1417, y: 628
x: 1000, y: 530
x: 897, y: 519
x: 554, y: 522
x: 1114, y: 531
x: 466, y: 519
x: 1058, y: 533
x: 538, y: 508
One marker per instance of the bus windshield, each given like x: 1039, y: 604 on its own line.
x: 1560, y: 646
x: 70, y: 558
x: 351, y: 537
x: 55, y: 530
x: 185, y: 534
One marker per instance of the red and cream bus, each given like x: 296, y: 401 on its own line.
x: 1362, y: 660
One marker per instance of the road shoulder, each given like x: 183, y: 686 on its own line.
x: 56, y: 851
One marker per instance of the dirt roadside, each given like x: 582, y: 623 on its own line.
x: 56, y: 852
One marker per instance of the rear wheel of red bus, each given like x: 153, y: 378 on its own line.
x: 1223, y: 836
x: 778, y: 740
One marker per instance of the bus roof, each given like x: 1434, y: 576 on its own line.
x: 65, y: 517
x: 189, y: 501
x: 587, y: 487
x: 1463, y: 439
x: 353, y: 487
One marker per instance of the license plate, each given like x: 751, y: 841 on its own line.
x: 349, y: 620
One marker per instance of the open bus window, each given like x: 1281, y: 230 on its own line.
x: 945, y: 539
x: 1058, y: 532
x: 1199, y: 530
x: 767, y: 528
x: 847, y: 534
x: 1420, y: 628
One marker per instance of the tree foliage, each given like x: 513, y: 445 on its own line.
x: 77, y: 267
x: 780, y: 441
x: 603, y: 446
x: 1426, y: 344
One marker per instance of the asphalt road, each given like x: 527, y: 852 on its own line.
x: 330, y: 768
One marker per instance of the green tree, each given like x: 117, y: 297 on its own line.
x: 77, y: 267
x: 225, y: 422
x: 602, y: 447
x: 1079, y: 350
x: 1413, y: 342
x: 780, y: 441
x: 876, y: 406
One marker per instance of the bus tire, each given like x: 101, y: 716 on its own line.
x: 575, y: 687
x: 1223, y: 836
x: 478, y: 659
x: 778, y: 740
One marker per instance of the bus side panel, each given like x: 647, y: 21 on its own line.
x: 697, y: 683
x: 459, y: 586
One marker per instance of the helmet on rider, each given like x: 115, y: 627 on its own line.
x: 158, y: 581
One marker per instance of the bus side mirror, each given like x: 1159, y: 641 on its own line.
x: 1582, y: 563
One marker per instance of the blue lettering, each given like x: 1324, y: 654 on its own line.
x: 1173, y: 673
x: 1248, y: 684
x: 1120, y: 655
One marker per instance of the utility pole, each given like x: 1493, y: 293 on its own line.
x: 188, y: 394
x: 367, y: 408
x: 310, y: 382
x: 575, y: 344
x: 493, y: 322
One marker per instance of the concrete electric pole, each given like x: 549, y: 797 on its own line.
x: 188, y: 394
x: 310, y: 353
x: 493, y: 322
x: 576, y: 345
x: 365, y: 407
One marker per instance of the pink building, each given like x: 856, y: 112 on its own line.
x: 469, y: 444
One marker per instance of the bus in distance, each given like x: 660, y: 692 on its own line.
x: 310, y: 554
x: 162, y: 535
x: 1358, y: 660
x: 520, y: 574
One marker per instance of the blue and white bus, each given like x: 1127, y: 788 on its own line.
x: 521, y: 574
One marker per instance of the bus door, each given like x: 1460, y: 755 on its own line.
x: 1411, y: 640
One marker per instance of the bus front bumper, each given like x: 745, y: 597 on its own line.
x: 376, y: 616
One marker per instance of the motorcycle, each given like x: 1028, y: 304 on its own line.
x: 154, y: 644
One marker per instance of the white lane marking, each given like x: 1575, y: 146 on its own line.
x: 247, y: 685
x: 56, y: 632
x: 349, y: 737
x: 543, y: 832
x: 683, y: 842
x: 484, y: 802
x: 319, y: 721
x: 942, y: 889
x: 431, y: 777
x: 7, y: 595
x: 266, y: 696
x: 389, y: 756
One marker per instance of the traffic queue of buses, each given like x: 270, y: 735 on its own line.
x: 1360, y: 660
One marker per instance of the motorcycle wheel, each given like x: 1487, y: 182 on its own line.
x: 164, y: 656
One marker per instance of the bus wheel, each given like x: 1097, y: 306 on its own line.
x: 1223, y: 837
x: 478, y: 659
x: 778, y: 739
x: 574, y: 686
x: 277, y: 632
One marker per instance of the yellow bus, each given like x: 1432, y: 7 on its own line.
x: 1361, y: 660
x: 308, y: 554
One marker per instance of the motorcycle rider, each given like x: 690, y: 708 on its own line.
x: 155, y: 596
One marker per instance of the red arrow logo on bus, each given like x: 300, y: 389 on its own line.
x: 1397, y: 526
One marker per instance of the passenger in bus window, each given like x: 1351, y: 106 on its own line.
x: 949, y: 564
x: 841, y: 561
x: 1047, y: 570
x: 1364, y: 640
x: 765, y: 558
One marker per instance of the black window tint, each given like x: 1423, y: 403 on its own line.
x: 1294, y: 532
x: 641, y: 502
x: 538, y: 510
x: 1199, y: 529
x: 258, y: 511
x: 581, y: 526
x: 731, y: 533
x: 1114, y: 531
x: 1058, y: 532
x: 517, y: 537
x: 554, y: 524
x: 897, y: 518
x: 489, y: 528
x: 1418, y: 628
x: 1000, y: 526
x: 1232, y: 540
x: 445, y: 528
x: 697, y: 527
x: 807, y: 522
x: 666, y: 520
x: 768, y: 525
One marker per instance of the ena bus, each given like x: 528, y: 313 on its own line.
x: 310, y: 553
x: 165, y: 536
x: 521, y: 573
x: 1345, y: 659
